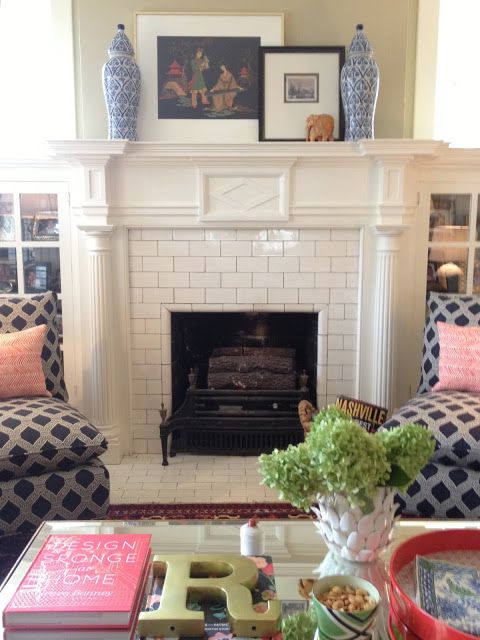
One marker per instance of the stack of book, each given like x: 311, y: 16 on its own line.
x: 81, y: 587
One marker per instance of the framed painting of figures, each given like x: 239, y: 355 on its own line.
x: 200, y: 79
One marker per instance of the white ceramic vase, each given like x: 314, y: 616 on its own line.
x: 352, y: 534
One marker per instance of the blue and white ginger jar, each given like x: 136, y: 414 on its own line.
x: 121, y: 87
x: 359, y: 82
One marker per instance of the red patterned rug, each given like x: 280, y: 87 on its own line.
x: 220, y: 511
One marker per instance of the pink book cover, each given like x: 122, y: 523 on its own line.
x: 81, y: 580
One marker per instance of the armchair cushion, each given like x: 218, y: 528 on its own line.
x: 21, y: 313
x: 38, y: 435
x: 453, y: 309
x: 453, y: 417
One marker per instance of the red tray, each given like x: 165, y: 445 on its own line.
x: 416, y: 620
x: 394, y: 621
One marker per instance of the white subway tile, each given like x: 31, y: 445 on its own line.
x: 304, y: 280
x: 237, y: 308
x: 153, y: 326
x: 304, y: 248
x: 331, y: 248
x: 269, y: 308
x: 336, y: 311
x: 341, y: 357
x: 353, y: 248
x: 142, y: 248
x: 252, y: 296
x: 344, y: 295
x: 164, y: 295
x: 143, y: 279
x: 220, y: 295
x: 135, y: 263
x: 253, y: 265
x: 173, y: 248
x: 139, y: 310
x: 351, y: 311
x: 205, y: 248
x: 166, y: 377
x: 299, y: 308
x: 314, y: 295
x: 136, y: 295
x: 345, y: 234
x: 139, y: 372
x: 252, y: 234
x: 145, y: 431
x: 345, y: 264
x: 314, y: 234
x: 189, y: 264
x: 146, y: 341
x: 283, y: 234
x: 290, y: 264
x: 236, y: 248
x: 189, y: 295
x: 205, y: 308
x: 166, y: 321
x: 138, y: 356
x: 154, y: 356
x: 156, y: 234
x: 137, y: 326
x: 140, y: 446
x: 334, y: 372
x: 220, y: 234
x: 274, y: 280
x: 267, y: 248
x: 153, y: 417
x: 342, y: 327
x: 158, y: 264
x: 139, y: 416
x: 350, y: 342
x: 138, y: 386
x: 221, y: 265
x: 335, y: 342
x: 188, y: 234
x: 205, y: 279
x: 146, y: 402
x: 173, y: 279
x: 236, y: 280
x: 352, y: 280
x: 349, y: 372
x: 331, y: 280
x: 166, y: 349
x: 309, y: 264
x: 283, y: 295
x: 154, y: 387
x: 134, y: 234
x: 153, y: 446
x: 322, y: 350
x: 181, y: 307
x: 340, y: 387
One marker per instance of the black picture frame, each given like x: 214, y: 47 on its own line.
x: 282, y: 121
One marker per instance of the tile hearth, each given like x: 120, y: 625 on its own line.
x: 140, y: 478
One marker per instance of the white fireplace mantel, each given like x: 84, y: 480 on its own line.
x: 153, y: 192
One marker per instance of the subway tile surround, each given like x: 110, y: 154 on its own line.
x: 314, y: 270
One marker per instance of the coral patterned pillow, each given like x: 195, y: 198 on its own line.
x: 21, y: 371
x: 459, y: 361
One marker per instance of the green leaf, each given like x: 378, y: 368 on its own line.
x: 398, y: 478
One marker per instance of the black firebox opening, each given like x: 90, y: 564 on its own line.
x: 195, y: 335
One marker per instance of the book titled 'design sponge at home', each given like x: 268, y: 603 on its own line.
x: 82, y: 581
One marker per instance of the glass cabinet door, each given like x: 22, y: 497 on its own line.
x: 451, y: 246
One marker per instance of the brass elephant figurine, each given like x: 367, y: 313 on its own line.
x: 320, y: 127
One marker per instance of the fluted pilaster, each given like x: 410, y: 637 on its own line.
x: 388, y: 244
x: 101, y: 322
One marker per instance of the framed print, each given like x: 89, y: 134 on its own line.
x: 296, y: 82
x: 200, y: 76
x: 45, y: 227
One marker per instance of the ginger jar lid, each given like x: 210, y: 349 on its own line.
x: 360, y: 43
x: 120, y: 43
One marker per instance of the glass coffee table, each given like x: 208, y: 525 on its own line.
x: 297, y: 550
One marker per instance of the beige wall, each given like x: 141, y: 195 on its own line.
x: 389, y: 24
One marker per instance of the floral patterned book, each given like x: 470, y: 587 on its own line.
x: 450, y: 593
x: 216, y: 620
